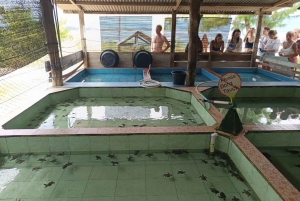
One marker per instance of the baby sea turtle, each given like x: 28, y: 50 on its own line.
x: 167, y: 175
x: 247, y: 192
x: 180, y: 172
x: 49, y: 184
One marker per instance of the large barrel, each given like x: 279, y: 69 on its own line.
x: 142, y: 59
x: 109, y: 58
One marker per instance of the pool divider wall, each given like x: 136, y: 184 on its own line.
x: 275, y: 91
x: 257, y: 182
x: 71, y: 144
x: 207, y: 118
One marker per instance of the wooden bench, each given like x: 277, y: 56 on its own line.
x: 280, y: 65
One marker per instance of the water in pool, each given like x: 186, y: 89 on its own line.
x: 266, y: 111
x: 255, y: 77
x: 167, y: 77
x: 286, y: 160
x: 138, y: 176
x: 108, y: 112
x: 112, y: 77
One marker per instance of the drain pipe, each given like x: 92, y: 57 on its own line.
x: 212, y: 143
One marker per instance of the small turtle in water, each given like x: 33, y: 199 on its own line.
x: 222, y: 196
x: 213, y: 190
x: 149, y: 155
x: 203, y: 177
x: 98, y: 157
x: 247, y: 192
x: 41, y: 159
x: 167, y: 175
x: 115, y: 163
x: 36, y: 168
x: 49, y: 184
x: 180, y: 172
x: 61, y: 154
x: 111, y: 155
x: 130, y: 158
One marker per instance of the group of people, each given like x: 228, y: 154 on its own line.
x: 269, y: 43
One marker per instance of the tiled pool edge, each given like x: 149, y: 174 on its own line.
x: 275, y: 179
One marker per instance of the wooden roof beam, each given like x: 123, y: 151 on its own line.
x: 164, y: 12
x: 92, y: 3
x: 74, y: 3
x: 277, y: 4
x: 177, y: 5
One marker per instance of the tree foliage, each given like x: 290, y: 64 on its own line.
x: 271, y: 21
x: 213, y: 22
x: 63, y: 31
x: 22, y: 36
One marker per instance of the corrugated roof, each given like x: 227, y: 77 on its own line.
x: 166, y: 6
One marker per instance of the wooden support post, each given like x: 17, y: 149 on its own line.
x: 51, y: 42
x: 256, y: 41
x: 193, y: 37
x: 83, y: 39
x: 173, y: 34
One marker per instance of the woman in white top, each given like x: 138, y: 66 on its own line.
x: 235, y: 43
x: 289, y: 48
x: 272, y: 45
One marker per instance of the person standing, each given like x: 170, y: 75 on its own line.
x: 158, y: 41
x: 296, y: 34
x: 235, y: 43
x: 263, y: 40
x: 272, y: 45
x: 298, y: 47
x: 249, y: 40
x: 205, y: 42
x: 199, y: 46
x: 289, y: 49
x: 217, y: 45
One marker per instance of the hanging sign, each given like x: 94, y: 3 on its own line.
x: 229, y: 84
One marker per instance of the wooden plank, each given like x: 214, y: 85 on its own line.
x: 160, y: 60
x: 125, y: 60
x: 184, y: 57
x: 231, y: 57
x: 70, y: 60
x: 183, y: 64
x: 215, y: 64
x: 178, y: 2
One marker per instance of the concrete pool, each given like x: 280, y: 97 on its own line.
x: 81, y: 146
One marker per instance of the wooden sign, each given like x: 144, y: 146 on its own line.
x: 229, y: 84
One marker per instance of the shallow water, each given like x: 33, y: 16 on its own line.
x: 266, y: 111
x: 132, y: 77
x: 255, y: 77
x: 109, y: 112
x: 285, y: 162
x: 140, y: 179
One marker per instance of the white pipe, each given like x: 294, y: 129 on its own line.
x: 212, y: 143
x: 217, y: 102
